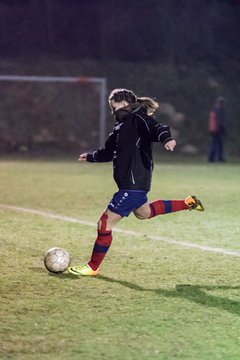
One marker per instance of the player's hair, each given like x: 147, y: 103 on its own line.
x: 148, y: 104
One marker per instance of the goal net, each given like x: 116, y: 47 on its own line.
x: 45, y: 114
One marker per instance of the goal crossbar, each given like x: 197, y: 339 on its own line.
x: 67, y: 79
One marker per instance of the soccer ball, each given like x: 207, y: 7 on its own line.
x: 56, y: 260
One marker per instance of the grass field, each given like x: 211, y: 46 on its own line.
x: 153, y: 300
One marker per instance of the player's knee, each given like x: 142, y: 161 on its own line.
x: 103, y: 227
x: 102, y: 222
x: 140, y: 216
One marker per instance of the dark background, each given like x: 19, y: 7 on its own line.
x: 182, y: 31
x: 185, y: 53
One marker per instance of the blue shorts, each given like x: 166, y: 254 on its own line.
x: 126, y: 201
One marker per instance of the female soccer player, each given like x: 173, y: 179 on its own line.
x: 129, y: 146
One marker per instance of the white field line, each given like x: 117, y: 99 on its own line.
x: 126, y: 232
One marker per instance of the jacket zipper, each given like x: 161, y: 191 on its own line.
x: 133, y: 180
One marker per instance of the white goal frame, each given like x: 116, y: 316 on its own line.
x: 102, y: 98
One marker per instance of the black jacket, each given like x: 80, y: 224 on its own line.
x: 130, y: 147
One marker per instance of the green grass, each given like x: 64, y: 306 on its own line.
x: 153, y: 300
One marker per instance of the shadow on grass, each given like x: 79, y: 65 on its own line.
x: 193, y: 293
x: 64, y: 275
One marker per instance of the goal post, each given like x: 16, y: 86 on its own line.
x: 102, y: 82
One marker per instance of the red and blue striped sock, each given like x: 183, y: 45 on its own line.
x: 101, y: 246
x: 159, y: 207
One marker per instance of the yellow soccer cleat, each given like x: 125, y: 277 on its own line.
x: 83, y: 270
x: 194, y: 203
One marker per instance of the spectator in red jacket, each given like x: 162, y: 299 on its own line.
x: 216, y: 129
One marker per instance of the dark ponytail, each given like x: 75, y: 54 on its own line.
x: 149, y: 105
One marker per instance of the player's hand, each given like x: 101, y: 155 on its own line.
x: 83, y: 157
x: 170, y: 145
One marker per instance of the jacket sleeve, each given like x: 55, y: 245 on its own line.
x: 156, y: 131
x: 105, y: 153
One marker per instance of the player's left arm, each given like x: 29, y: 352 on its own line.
x: 170, y: 145
x: 158, y: 132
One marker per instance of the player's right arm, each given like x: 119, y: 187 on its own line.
x: 83, y: 157
x: 103, y: 154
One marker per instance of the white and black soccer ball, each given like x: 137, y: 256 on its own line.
x: 56, y: 260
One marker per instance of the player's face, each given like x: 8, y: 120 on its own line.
x: 117, y: 105
x: 112, y: 105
